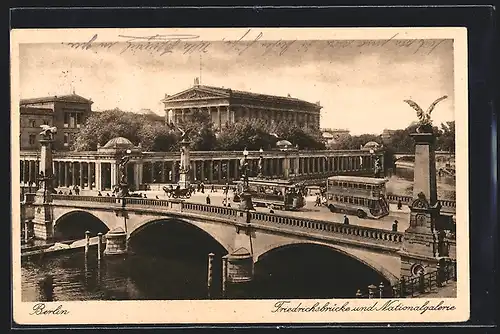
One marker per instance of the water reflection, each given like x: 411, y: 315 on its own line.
x: 401, y: 183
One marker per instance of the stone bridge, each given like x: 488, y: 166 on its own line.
x: 232, y: 228
x: 442, y: 157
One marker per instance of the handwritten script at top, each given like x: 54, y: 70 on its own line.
x: 187, y: 44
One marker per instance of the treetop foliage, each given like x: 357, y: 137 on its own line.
x: 152, y: 135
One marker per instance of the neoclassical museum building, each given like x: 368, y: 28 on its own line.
x: 229, y: 106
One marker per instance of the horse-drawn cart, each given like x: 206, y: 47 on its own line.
x: 178, y: 193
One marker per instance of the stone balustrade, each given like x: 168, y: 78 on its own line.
x: 357, y: 232
x: 392, y: 198
x: 327, y: 226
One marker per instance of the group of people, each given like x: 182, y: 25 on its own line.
x: 76, y: 190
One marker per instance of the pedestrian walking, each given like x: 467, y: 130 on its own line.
x: 400, y: 205
x: 208, y: 199
x: 224, y: 202
x: 212, y: 189
x: 346, y: 220
x: 318, y: 201
x: 395, y: 226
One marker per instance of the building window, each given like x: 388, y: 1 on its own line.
x: 32, y: 139
x: 72, y: 119
x: 66, y: 139
x: 32, y: 123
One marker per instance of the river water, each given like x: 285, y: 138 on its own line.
x: 170, y: 262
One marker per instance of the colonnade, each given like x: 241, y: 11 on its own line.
x: 103, y: 175
x: 231, y: 114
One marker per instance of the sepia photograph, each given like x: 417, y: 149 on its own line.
x: 256, y: 175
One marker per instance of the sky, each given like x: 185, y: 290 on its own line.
x: 360, y: 84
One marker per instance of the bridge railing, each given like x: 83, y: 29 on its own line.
x: 408, y: 287
x: 356, y: 231
x: 392, y: 198
x: 95, y: 199
x: 209, y: 209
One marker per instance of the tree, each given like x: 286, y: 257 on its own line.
x: 251, y: 134
x: 304, y: 138
x: 157, y: 138
x: 200, y: 131
x: 446, y: 141
x: 100, y: 127
x: 356, y: 142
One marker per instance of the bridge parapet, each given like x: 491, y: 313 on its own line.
x: 381, y: 237
x: 356, y: 231
x: 392, y: 198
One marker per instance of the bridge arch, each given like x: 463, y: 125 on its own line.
x: 224, y: 240
x: 73, y: 225
x: 388, y: 271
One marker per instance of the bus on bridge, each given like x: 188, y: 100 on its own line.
x: 277, y: 194
x: 363, y: 196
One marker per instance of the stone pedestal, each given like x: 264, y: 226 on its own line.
x: 116, y: 242
x: 424, y: 176
x: 42, y: 221
x: 124, y: 190
x: 246, y: 201
x: 420, y: 249
x: 238, y: 273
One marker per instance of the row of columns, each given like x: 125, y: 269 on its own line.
x: 104, y: 175
x: 231, y: 114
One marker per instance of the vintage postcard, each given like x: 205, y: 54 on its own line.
x: 250, y: 175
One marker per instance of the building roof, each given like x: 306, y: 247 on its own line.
x: 283, y: 144
x: 56, y: 98
x: 227, y: 92
x: 119, y: 142
x: 371, y: 144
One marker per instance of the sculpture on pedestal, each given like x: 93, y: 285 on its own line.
x: 245, y: 195
x: 124, y: 187
x: 424, y: 118
x: 422, y: 244
x: 261, y: 163
x: 46, y: 173
x: 185, y: 163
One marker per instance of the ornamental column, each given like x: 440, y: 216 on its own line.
x: 421, y: 250
x: 81, y: 174
x: 90, y: 178
x: 113, y: 175
x: 42, y: 221
x: 66, y: 173
x: 98, y: 176
x: 211, y: 171
x: 219, y: 120
x: 73, y: 173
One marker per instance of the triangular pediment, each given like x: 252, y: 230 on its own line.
x: 196, y: 93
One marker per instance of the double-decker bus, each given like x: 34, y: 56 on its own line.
x: 362, y: 196
x: 276, y: 194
